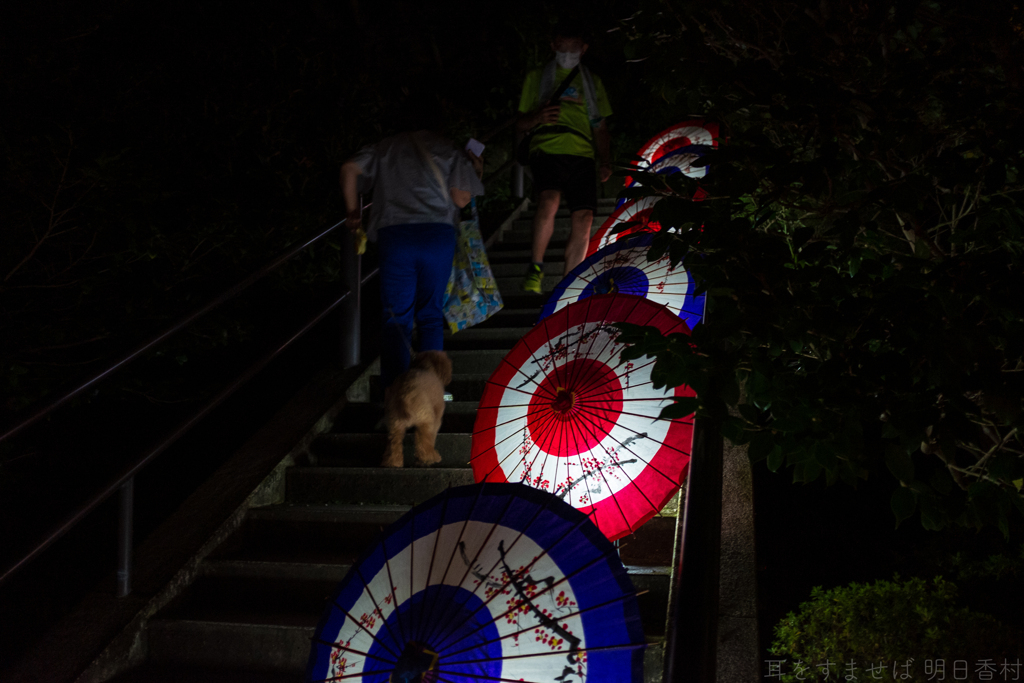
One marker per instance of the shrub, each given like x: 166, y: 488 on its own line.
x: 888, y: 622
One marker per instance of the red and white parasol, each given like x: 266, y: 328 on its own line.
x: 675, y: 148
x: 564, y: 414
x: 637, y: 212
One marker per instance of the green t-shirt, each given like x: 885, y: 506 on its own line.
x: 573, y: 114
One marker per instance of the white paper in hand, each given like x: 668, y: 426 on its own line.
x: 476, y: 147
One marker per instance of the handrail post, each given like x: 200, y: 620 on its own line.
x: 351, y: 269
x: 691, y: 634
x: 125, y: 532
x: 517, y: 181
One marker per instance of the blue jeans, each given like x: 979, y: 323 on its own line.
x: 415, y: 264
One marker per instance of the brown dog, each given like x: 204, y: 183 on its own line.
x: 416, y: 399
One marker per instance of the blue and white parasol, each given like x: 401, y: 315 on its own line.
x: 490, y: 582
x: 623, y: 267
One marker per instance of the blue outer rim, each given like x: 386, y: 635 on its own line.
x: 629, y: 242
x: 549, y: 520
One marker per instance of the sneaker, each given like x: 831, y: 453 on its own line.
x: 534, y: 280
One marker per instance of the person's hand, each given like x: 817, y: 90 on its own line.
x: 547, y: 115
x: 604, y: 172
x: 478, y: 164
x: 354, y: 220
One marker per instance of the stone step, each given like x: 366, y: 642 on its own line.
x: 513, y: 284
x: 604, y: 205
x: 469, y: 386
x: 169, y: 673
x: 276, y: 648
x: 644, y: 578
x: 524, y: 238
x: 525, y: 224
x: 363, y: 418
x: 477, y: 361
x: 317, y: 542
x: 501, y: 254
x: 304, y: 535
x: 552, y: 268
x: 510, y: 317
x: 523, y: 301
x: 285, y: 649
x: 367, y: 450
x: 370, y: 485
x: 266, y: 622
x: 651, y: 582
x: 485, y: 338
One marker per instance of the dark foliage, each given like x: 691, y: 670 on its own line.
x: 861, y: 244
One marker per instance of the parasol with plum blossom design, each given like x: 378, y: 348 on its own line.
x: 622, y: 267
x: 674, y: 150
x: 564, y: 413
x: 637, y: 213
x: 488, y: 582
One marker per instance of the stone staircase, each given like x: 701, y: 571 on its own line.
x: 251, y: 612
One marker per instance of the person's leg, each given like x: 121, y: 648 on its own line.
x: 579, y: 238
x: 435, y: 249
x: 544, y: 222
x: 398, y: 296
x: 581, y: 196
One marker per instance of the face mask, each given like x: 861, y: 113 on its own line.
x: 567, y: 60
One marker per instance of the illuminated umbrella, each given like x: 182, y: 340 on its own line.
x: 565, y: 414
x: 636, y: 211
x: 674, y: 149
x: 622, y: 267
x: 489, y: 582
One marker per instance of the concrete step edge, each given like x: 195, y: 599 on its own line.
x: 278, y: 570
x: 226, y: 644
x: 325, y: 513
x: 282, y: 571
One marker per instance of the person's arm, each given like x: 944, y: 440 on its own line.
x: 465, y: 179
x: 603, y: 140
x: 350, y: 172
x: 478, y: 164
x: 460, y: 197
x: 534, y: 118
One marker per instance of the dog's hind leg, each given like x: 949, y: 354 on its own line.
x: 393, y: 456
x: 426, y: 435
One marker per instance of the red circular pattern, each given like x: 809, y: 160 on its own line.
x: 585, y: 396
x: 666, y: 466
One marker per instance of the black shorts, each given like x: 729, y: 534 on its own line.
x: 573, y: 175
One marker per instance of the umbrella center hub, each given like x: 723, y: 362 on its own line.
x: 607, y: 286
x: 416, y: 664
x: 564, y: 401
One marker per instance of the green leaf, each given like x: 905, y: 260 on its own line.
x: 775, y: 458
x: 683, y: 407
x: 825, y: 455
x: 760, y: 445
x: 903, y: 503
x: 899, y: 463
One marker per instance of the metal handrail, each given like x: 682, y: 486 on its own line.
x: 125, y: 482
x: 691, y: 632
x: 181, y: 324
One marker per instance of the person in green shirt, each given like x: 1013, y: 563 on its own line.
x: 563, y: 147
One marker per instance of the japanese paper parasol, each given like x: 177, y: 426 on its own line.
x: 674, y: 149
x: 488, y: 582
x: 565, y: 414
x: 623, y: 267
x: 636, y: 211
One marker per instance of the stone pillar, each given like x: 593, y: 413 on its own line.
x: 738, y: 653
